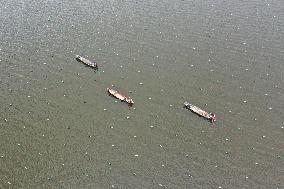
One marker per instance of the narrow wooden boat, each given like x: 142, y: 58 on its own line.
x: 120, y: 96
x: 210, y: 116
x: 87, y: 62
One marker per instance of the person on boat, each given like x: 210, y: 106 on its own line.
x: 212, y: 117
x: 95, y: 65
x: 129, y: 101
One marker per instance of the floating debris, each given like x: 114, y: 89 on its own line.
x: 136, y: 155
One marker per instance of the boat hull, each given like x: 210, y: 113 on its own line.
x: 200, y: 112
x: 87, y: 62
x: 120, y: 96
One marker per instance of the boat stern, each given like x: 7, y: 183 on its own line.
x: 212, y: 117
x: 130, y: 101
x: 187, y: 104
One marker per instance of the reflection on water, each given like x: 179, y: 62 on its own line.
x: 60, y: 129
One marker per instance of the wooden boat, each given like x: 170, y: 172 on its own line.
x: 87, y: 62
x: 120, y: 96
x: 210, y: 116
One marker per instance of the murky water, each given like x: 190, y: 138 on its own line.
x: 60, y: 129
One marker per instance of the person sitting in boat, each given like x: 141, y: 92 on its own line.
x: 95, y: 65
x: 129, y: 101
x: 212, y: 117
